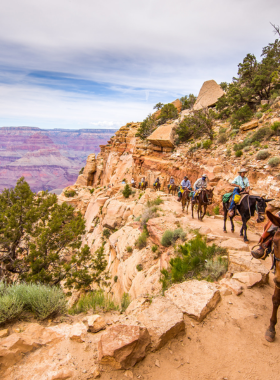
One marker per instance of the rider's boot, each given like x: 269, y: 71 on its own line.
x: 263, y: 250
x: 231, y: 213
x: 179, y: 198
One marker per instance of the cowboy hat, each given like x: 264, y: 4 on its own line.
x: 243, y: 170
x: 204, y: 175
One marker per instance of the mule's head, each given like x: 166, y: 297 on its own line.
x: 276, y: 242
x: 261, y: 206
x: 210, y: 195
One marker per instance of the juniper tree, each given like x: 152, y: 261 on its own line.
x: 41, y: 240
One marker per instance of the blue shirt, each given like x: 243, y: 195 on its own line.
x: 186, y: 183
x: 239, y: 181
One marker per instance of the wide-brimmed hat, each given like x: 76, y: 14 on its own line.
x: 204, y: 175
x: 243, y: 170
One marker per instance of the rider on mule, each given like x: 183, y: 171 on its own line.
x: 241, y: 185
x: 265, y: 242
x: 142, y: 183
x: 157, y: 183
x: 171, y: 182
x: 132, y: 182
x: 185, y: 184
x: 200, y: 184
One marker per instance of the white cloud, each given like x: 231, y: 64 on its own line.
x: 144, y: 50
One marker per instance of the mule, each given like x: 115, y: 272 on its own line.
x: 185, y: 199
x: 203, y: 199
x: 172, y: 189
x: 270, y: 332
x: 143, y: 186
x: 156, y: 186
x: 246, y: 209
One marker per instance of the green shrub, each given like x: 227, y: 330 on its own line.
x: 129, y: 249
x: 207, y: 144
x: 276, y: 128
x: 258, y: 115
x: 126, y: 191
x: 115, y: 278
x: 274, y: 161
x: 81, y: 171
x: 188, y: 101
x: 137, y: 219
x: 262, y: 155
x: 216, y: 210
x: 265, y: 107
x: 167, y: 238
x: 215, y: 268
x: 139, y: 267
x: 146, y: 127
x: 222, y: 130
x: 168, y: 111
x: 241, y: 115
x: 260, y: 134
x: 125, y: 301
x: 246, y: 149
x: 69, y: 193
x: 195, y: 126
x: 238, y: 153
x: 42, y: 300
x: 94, y: 301
x: 158, y: 201
x: 191, y: 262
x: 91, y: 191
x: 141, y: 241
x: 154, y: 248
x: 222, y: 138
x: 228, y: 153
x: 106, y: 233
x: 11, y: 307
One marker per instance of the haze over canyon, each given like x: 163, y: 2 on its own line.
x: 48, y: 159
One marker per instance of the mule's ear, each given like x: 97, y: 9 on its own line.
x: 268, y: 200
x: 273, y: 218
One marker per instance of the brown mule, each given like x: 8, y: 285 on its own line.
x: 270, y: 332
x: 157, y: 186
x: 143, y: 186
x: 203, y: 199
x: 185, y: 199
x: 172, y: 189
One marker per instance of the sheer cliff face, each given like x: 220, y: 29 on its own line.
x: 48, y: 159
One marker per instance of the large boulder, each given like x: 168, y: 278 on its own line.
x: 86, y: 178
x: 194, y: 298
x: 163, y: 320
x: 95, y: 323
x: 243, y: 262
x: 249, y: 279
x: 163, y: 136
x: 250, y: 125
x: 16, y: 345
x: 123, y: 346
x: 235, y: 244
x: 208, y: 95
x: 93, y: 210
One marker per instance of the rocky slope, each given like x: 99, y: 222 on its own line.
x: 49, y: 159
x: 222, y: 322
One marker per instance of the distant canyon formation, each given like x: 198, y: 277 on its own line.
x: 48, y: 159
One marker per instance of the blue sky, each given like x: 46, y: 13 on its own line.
x: 100, y: 64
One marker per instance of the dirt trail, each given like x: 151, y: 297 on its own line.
x: 228, y: 344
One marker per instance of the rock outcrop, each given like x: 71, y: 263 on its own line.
x: 123, y: 346
x: 208, y: 95
x: 163, y: 136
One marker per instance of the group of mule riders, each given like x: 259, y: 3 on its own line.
x: 240, y: 186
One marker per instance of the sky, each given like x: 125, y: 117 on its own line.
x: 100, y: 64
